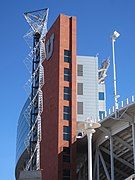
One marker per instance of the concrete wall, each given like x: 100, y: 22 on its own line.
x: 30, y: 175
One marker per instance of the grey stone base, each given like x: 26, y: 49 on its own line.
x: 30, y: 175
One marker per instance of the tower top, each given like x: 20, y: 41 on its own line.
x: 38, y: 21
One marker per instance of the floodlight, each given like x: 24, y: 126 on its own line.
x: 115, y: 35
x: 80, y: 135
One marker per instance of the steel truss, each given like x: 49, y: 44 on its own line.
x: 36, y: 35
x: 114, y: 147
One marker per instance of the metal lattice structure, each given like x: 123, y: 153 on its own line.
x: 114, y: 146
x: 35, y: 38
x: 102, y: 71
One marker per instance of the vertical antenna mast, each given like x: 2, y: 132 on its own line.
x: 38, y: 29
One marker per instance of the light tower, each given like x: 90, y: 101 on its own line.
x: 115, y: 35
x: 38, y: 29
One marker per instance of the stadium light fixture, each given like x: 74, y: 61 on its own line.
x: 115, y: 35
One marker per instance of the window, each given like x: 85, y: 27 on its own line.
x: 66, y: 154
x: 66, y: 133
x: 67, y: 56
x: 101, y: 95
x: 67, y: 93
x: 67, y: 113
x: 79, y: 70
x: 101, y: 114
x: 79, y: 107
x: 67, y: 74
x: 66, y: 174
x: 79, y: 88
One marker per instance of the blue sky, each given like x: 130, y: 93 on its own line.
x: 96, y: 20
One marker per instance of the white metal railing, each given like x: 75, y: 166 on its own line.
x: 121, y: 104
x: 110, y: 111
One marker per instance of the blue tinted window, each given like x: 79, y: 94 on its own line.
x: 67, y: 56
x: 67, y: 129
x: 67, y: 97
x: 67, y: 90
x: 67, y: 116
x: 101, y: 114
x: 66, y: 133
x: 101, y: 96
x: 67, y: 113
x: 66, y: 137
x: 67, y: 109
x: 67, y: 71
x: 67, y: 78
x: 67, y: 53
x: 67, y: 59
x: 67, y: 93
x: 67, y: 74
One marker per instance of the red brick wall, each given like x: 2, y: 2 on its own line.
x: 52, y: 143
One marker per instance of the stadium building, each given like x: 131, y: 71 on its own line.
x: 67, y: 95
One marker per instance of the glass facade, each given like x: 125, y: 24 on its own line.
x: 22, y: 132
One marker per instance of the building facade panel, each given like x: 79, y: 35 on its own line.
x: 60, y: 72
x: 89, y: 79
